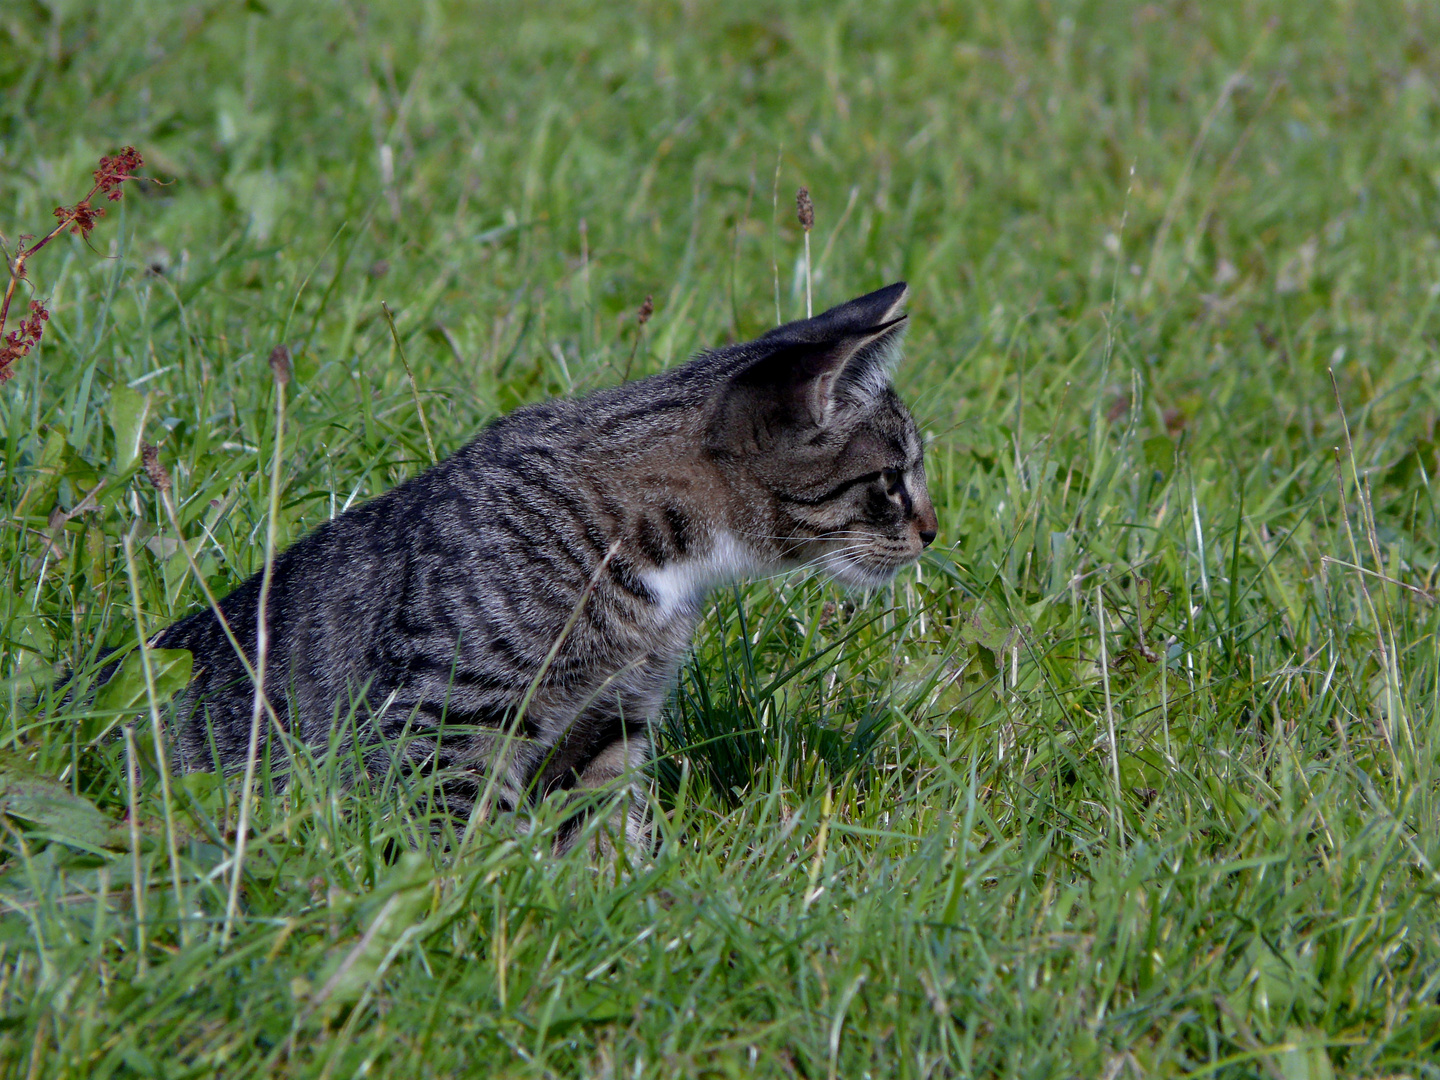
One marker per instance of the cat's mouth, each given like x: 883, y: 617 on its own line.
x: 866, y: 566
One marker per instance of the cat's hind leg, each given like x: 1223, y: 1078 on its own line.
x: 618, y: 767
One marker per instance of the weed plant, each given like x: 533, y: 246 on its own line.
x: 1135, y: 775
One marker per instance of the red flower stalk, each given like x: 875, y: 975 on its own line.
x: 19, y: 342
x: 79, y: 219
x: 114, y: 171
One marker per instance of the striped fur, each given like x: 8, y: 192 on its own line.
x: 444, y: 596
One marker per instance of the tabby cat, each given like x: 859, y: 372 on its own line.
x: 600, y: 523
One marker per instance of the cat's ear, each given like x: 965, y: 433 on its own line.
x: 841, y: 359
x: 858, y: 316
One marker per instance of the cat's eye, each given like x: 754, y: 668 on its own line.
x: 890, y: 478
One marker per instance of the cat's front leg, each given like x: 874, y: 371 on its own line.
x: 619, y: 765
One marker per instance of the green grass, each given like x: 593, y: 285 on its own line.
x: 1136, y: 775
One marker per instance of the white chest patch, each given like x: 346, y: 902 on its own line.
x: 683, y: 584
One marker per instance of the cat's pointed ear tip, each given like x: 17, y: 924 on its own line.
x: 891, y: 298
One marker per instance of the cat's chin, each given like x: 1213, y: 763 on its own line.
x: 860, y: 577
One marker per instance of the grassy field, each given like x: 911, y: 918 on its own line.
x: 1137, y: 775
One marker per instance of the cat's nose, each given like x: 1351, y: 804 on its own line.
x: 927, y: 524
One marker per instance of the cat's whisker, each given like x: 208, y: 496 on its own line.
x: 823, y: 535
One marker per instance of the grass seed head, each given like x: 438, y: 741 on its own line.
x: 150, y: 459
x: 805, y: 208
x: 280, y: 364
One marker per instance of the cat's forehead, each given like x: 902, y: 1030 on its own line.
x: 887, y: 429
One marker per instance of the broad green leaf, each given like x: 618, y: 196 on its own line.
x: 1159, y: 454
x: 53, y: 810
x: 40, y: 491
x: 205, y: 788
x: 399, y: 903
x: 1142, y: 770
x: 125, y: 692
x: 1304, y: 1056
x: 981, y: 629
x: 305, y: 365
x: 127, y: 421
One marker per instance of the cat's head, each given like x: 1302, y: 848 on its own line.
x: 807, y: 423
